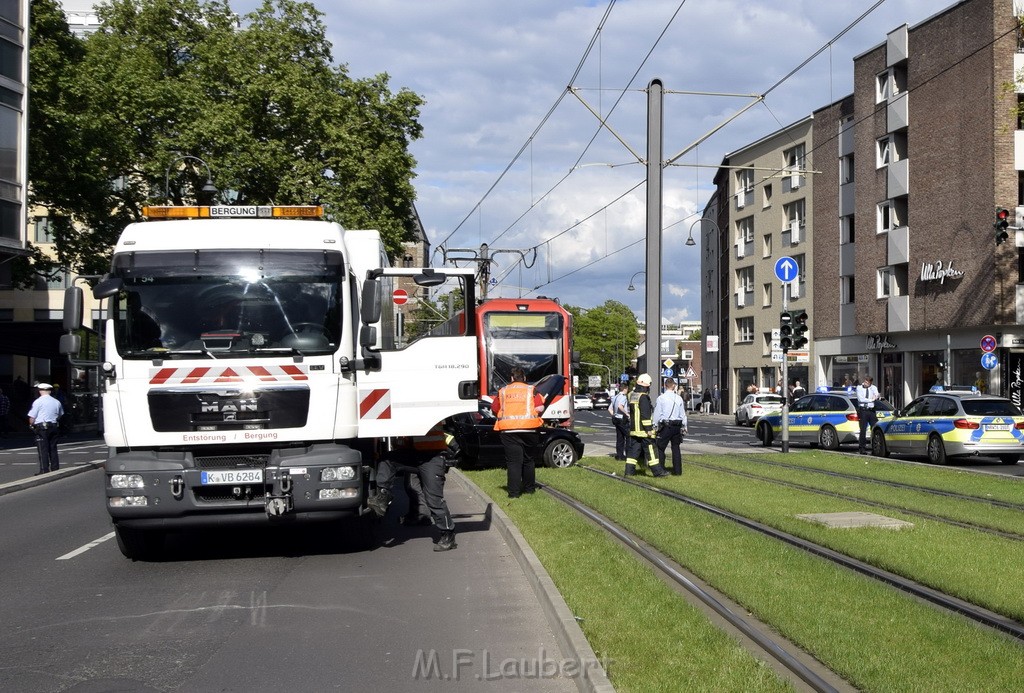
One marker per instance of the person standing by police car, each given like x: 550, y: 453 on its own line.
x: 670, y: 422
x: 640, y: 447
x: 867, y: 393
x: 518, y: 407
x: 44, y: 417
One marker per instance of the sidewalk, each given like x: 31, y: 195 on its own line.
x: 19, y: 461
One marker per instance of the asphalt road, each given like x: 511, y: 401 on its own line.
x: 712, y: 431
x: 260, y: 610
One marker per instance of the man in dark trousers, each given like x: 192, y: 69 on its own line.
x: 640, y: 449
x: 44, y: 417
x: 867, y: 393
x: 518, y: 407
x: 620, y: 419
x: 428, y: 457
x: 670, y: 421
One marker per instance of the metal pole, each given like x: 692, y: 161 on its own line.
x: 652, y: 339
x: 785, y: 380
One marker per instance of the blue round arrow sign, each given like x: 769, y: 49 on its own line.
x: 786, y: 269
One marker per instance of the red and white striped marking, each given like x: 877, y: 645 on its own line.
x: 375, y: 404
x: 229, y: 374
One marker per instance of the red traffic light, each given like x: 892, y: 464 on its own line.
x: 1002, y: 214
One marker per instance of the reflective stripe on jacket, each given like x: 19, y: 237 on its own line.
x: 640, y: 411
x: 516, y: 408
x: 435, y: 439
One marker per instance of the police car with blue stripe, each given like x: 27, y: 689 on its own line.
x: 826, y: 418
x: 953, y: 422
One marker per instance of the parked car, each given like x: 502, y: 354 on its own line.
x: 953, y: 423
x: 600, y: 399
x: 481, y: 445
x: 754, y: 406
x: 827, y: 418
x: 580, y: 402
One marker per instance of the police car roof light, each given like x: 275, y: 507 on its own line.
x: 955, y: 389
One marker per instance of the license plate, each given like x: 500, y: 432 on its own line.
x: 233, y: 476
x: 997, y: 427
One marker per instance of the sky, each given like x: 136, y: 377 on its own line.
x: 512, y: 158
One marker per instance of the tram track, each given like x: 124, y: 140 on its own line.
x: 896, y: 484
x: 781, y: 651
x: 857, y: 499
x: 935, y: 597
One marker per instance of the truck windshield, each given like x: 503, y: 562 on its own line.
x: 225, y: 303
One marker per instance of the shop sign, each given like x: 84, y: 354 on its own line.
x: 879, y: 342
x: 936, y: 271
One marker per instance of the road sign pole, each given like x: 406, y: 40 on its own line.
x: 785, y: 381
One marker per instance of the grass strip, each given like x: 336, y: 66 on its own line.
x: 994, y: 517
x: 1003, y: 488
x: 981, y: 568
x: 654, y: 639
x: 874, y: 636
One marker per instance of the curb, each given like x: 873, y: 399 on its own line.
x: 33, y: 481
x: 571, y: 641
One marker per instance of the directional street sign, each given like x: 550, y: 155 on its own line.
x: 786, y: 269
x: 988, y: 343
x: 989, y: 361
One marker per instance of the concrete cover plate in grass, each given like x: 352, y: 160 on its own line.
x: 855, y: 519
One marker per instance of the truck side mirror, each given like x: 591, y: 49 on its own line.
x: 72, y: 308
x: 70, y: 345
x: 107, y: 286
x: 369, y: 307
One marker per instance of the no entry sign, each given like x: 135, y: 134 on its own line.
x: 400, y: 297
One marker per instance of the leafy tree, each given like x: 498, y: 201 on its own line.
x: 606, y: 334
x: 258, y: 99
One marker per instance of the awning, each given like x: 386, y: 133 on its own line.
x: 36, y: 339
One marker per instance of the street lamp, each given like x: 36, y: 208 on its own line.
x: 631, y: 287
x: 689, y: 240
x: 209, y: 188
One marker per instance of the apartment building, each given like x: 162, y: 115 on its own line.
x: 906, y: 280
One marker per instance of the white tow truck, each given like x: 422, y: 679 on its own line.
x: 250, y: 373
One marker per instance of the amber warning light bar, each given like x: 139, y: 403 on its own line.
x: 235, y: 212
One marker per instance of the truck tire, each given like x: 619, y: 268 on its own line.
x: 139, y: 544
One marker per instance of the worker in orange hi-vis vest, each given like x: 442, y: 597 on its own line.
x: 518, y: 407
x: 428, y: 458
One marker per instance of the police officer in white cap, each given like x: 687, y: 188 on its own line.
x: 44, y: 417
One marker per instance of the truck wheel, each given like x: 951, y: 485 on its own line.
x: 560, y: 453
x: 139, y: 544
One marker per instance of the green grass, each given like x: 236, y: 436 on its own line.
x: 654, y: 640
x: 982, y: 568
x: 874, y: 636
x: 1004, y: 519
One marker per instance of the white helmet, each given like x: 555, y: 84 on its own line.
x: 644, y: 380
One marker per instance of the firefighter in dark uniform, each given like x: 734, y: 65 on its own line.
x: 428, y: 457
x: 640, y: 446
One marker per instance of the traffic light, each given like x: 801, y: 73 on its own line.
x: 1002, y: 223
x: 799, y: 328
x: 786, y: 330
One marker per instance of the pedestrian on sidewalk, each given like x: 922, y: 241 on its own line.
x: 44, y: 418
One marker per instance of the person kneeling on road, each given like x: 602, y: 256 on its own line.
x: 640, y: 447
x: 429, y: 458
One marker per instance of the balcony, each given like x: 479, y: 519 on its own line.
x: 898, y: 314
x: 897, y: 179
x: 898, y: 246
x: 847, y: 259
x: 847, y: 319
x: 897, y: 115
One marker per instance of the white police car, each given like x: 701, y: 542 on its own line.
x: 826, y: 418
x: 952, y: 422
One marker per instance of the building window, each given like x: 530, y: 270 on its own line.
x: 45, y: 314
x: 745, y: 330
x: 766, y: 295
x: 766, y: 245
x: 847, y: 294
x: 796, y: 222
x: 884, y: 148
x: 744, y: 236
x: 745, y: 280
x: 846, y: 230
x: 885, y: 217
x: 883, y: 86
x: 884, y: 282
x: 767, y: 195
x: 794, y: 168
x: 846, y: 169
x: 744, y: 181
x: 43, y: 230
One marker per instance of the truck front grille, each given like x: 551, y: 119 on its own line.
x: 231, y: 461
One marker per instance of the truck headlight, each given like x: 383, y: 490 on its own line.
x: 346, y: 473
x: 126, y: 481
x: 127, y: 501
